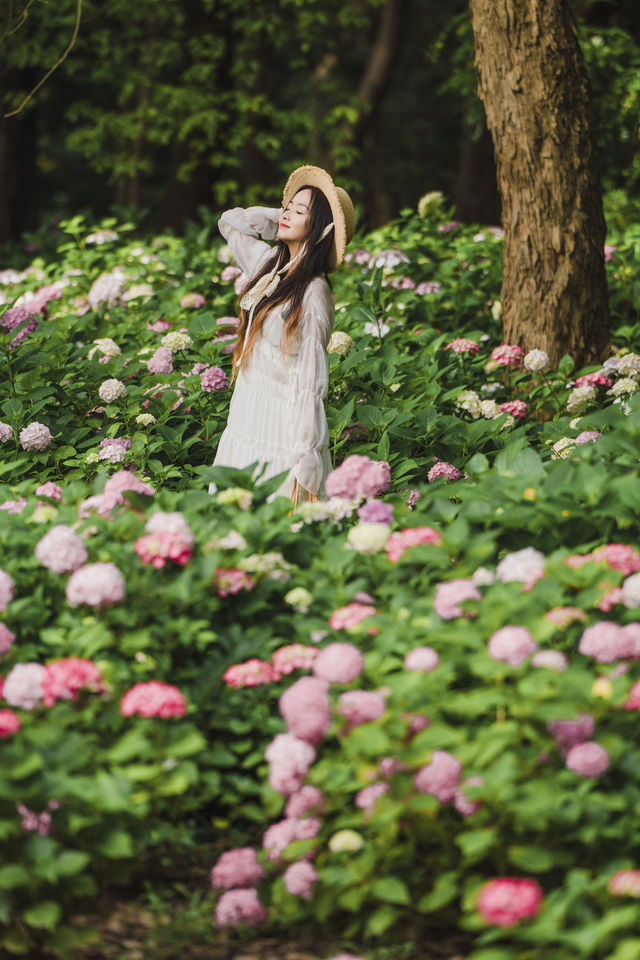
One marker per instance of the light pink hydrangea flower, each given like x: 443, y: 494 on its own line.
x: 525, y: 565
x: 506, y: 900
x: 303, y: 801
x: 49, y: 489
x: 9, y: 723
x: 348, y: 618
x: 625, y: 883
x: 6, y: 638
x: 295, y: 656
x: 213, y: 378
x: 607, y: 642
x: 367, y: 797
x: 35, y: 436
x: 6, y: 432
x: 237, y: 868
x: 552, y: 659
x: 279, y: 835
x: 96, y: 584
x: 358, y: 476
x: 563, y: 616
x: 231, y: 581
x: 157, y: 548
x: 161, y: 361
x: 464, y: 806
x: 63, y: 679
x: 463, y: 345
x: 115, y: 488
x: 192, y: 301
x: 360, y: 706
x: 633, y: 701
x: 6, y: 590
x: 240, y: 906
x: 442, y: 470
x: 440, y: 777
x: 511, y: 645
x: 153, y: 699
x: 422, y: 658
x: 289, y: 760
x: 588, y: 759
x: 61, y: 549
x: 251, y: 673
x: 299, y: 879
x: 339, y: 663
x: 451, y: 594
x: 588, y: 436
x: 398, y: 543
x: 508, y: 355
x: 14, y: 506
x: 568, y: 733
x: 306, y: 710
x: 375, y: 511
x: 23, y: 685
x: 230, y: 273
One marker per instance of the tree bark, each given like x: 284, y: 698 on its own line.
x: 536, y: 95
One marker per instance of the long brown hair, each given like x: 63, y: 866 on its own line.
x: 292, y: 286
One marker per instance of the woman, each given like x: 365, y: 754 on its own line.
x: 277, y: 415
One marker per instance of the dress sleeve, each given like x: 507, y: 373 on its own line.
x: 311, y: 433
x: 241, y: 228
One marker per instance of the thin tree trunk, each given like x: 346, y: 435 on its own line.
x: 536, y: 96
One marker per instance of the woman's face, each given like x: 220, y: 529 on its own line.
x: 295, y: 217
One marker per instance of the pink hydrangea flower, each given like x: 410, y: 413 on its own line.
x: 157, y: 548
x: 161, y: 361
x: 23, y: 685
x: 619, y: 556
x: 295, y: 656
x: 625, y: 883
x: 213, y: 378
x: 607, y: 642
x: 279, y: 835
x: 115, y: 488
x: 358, y: 476
x: 508, y: 355
x: 563, y: 616
x: 462, y: 345
x: 525, y: 565
x: 251, y: 673
x: 360, y: 706
x: 303, y: 801
x: 398, y: 543
x: 6, y: 638
x: 160, y: 325
x: 289, y: 760
x: 237, y: 868
x: 451, y: 594
x: 49, y: 489
x: 9, y: 723
x: 14, y: 506
x: 339, y: 663
x: 240, y: 906
x: 61, y: 550
x: 231, y: 581
x: 33, y: 822
x: 348, y: 618
x: 367, y: 797
x: 192, y: 301
x: 418, y: 722
x: 96, y: 584
x: 299, y: 879
x: 464, y: 806
x: 230, y: 273
x: 588, y: 436
x: 440, y: 777
x: 588, y: 759
x: 306, y: 710
x: 428, y: 287
x: 517, y: 408
x: 506, y: 900
x: 6, y: 590
x: 153, y: 699
x: 63, y: 679
x: 421, y: 658
x: 633, y: 701
x: 442, y: 470
x: 6, y: 432
x: 35, y: 436
x: 511, y: 645
x: 552, y: 659
x: 596, y: 379
x: 375, y: 511
x: 568, y: 733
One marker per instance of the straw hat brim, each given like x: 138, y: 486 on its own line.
x: 344, y: 218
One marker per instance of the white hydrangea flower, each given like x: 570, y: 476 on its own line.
x: 107, y: 288
x: 339, y: 342
x: 580, y: 397
x: 106, y: 346
x: 490, y: 409
x: 483, y: 577
x: 110, y: 390
x: 536, y: 360
x: 631, y: 591
x: 101, y: 236
x: 496, y: 310
x: 176, y: 340
x: 299, y: 598
x: 629, y: 365
x: 231, y: 541
x: 521, y: 565
x: 470, y: 401
x: 92, y: 457
x: 626, y: 385
x: 377, y: 329
x: 563, y: 448
x: 145, y: 419
x: 368, y: 538
x: 137, y: 290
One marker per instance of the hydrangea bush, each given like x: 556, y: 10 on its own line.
x: 410, y: 706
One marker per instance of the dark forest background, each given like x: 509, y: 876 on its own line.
x: 165, y: 106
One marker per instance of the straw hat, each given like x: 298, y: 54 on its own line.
x: 344, y: 218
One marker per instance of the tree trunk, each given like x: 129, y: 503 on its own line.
x: 536, y: 96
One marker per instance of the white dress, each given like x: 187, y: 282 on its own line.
x: 277, y: 414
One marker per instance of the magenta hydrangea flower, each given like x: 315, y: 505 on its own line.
x: 506, y: 900
x: 294, y: 656
x: 508, y: 355
x: 96, y: 584
x: 463, y: 345
x: 348, y: 618
x: 421, y: 658
x: 358, y: 476
x: 237, y: 868
x: 440, y: 777
x: 240, y: 906
x: 568, y: 733
x: 588, y: 759
x: 512, y: 645
x: 451, y: 594
x: 213, y: 378
x: 299, y: 879
x: 157, y: 548
x: 339, y: 663
x: 306, y: 710
x: 360, y: 706
x: 398, y: 543
x: 61, y: 549
x: 9, y: 723
x: 251, y: 673
x: 63, y: 679
x: 35, y: 436
x: 517, y: 408
x: 443, y: 471
x: 153, y: 699
x: 23, y: 685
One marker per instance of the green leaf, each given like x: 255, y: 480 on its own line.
x: 71, y: 862
x: 117, y: 845
x: 13, y: 875
x: 44, y: 916
x: 475, y: 843
x: 392, y: 890
x: 627, y: 949
x: 445, y: 889
x: 380, y: 920
x: 531, y: 859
